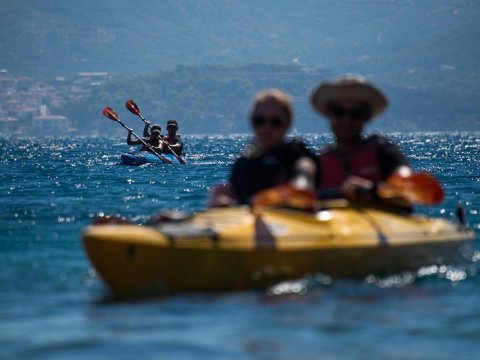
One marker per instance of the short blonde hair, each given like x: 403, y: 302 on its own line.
x: 275, y: 96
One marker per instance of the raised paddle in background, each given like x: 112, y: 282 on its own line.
x: 131, y: 106
x: 112, y: 115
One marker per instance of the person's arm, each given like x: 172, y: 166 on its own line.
x: 177, y: 147
x: 298, y: 193
x: 305, y: 173
x: 391, y: 158
x: 130, y: 141
x: 303, y: 169
x: 159, y: 149
x: 221, y: 195
x: 392, y: 162
x: 238, y: 182
x: 146, y: 129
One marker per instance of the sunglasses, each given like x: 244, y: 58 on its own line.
x: 356, y: 113
x: 276, y: 122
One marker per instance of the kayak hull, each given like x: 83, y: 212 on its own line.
x: 146, y: 157
x: 235, y: 249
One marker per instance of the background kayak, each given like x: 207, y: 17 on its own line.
x: 144, y: 157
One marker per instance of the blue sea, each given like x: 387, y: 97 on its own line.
x: 54, y: 306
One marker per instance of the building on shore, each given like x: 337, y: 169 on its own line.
x: 8, y: 125
x: 50, y: 125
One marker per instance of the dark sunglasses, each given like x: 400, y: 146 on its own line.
x: 274, y: 122
x: 357, y: 113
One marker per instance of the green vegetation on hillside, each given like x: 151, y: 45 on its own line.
x: 216, y: 99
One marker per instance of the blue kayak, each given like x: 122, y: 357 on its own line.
x: 145, y: 157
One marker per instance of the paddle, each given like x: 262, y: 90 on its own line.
x: 112, y: 115
x: 134, y: 109
x: 418, y: 188
x: 286, y: 195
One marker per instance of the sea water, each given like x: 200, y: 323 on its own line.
x: 54, y: 306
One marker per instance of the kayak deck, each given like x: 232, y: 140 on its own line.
x: 234, y: 248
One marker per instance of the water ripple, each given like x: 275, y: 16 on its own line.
x: 50, y: 189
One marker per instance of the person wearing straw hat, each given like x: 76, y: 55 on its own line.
x: 354, y: 163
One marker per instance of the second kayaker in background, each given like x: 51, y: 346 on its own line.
x: 270, y: 160
x: 172, y: 141
x: 354, y: 163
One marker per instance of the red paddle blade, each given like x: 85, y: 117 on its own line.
x: 132, y: 107
x: 420, y: 188
x: 285, y: 195
x: 110, y: 113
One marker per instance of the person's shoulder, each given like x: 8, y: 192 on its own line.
x: 388, y: 149
x: 250, y: 151
x: 328, y: 148
x: 298, y: 146
x: 242, y: 159
x: 380, y: 140
x: 242, y: 164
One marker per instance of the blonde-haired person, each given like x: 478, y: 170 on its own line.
x: 270, y: 160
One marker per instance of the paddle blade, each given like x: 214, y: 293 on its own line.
x: 132, y: 107
x: 419, y: 188
x: 110, y: 113
x: 286, y: 195
x: 181, y: 161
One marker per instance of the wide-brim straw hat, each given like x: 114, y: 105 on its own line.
x: 349, y: 88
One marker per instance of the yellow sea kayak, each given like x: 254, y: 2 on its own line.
x: 239, y: 248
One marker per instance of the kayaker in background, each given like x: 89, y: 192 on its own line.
x: 269, y: 161
x: 356, y: 164
x: 146, y: 129
x: 172, y: 141
x: 154, y: 140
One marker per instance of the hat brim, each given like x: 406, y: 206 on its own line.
x: 329, y: 92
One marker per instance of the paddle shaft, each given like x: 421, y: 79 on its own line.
x: 165, y: 160
x: 168, y: 146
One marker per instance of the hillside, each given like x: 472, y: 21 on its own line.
x: 198, y: 60
x: 216, y: 99
x: 424, y: 44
